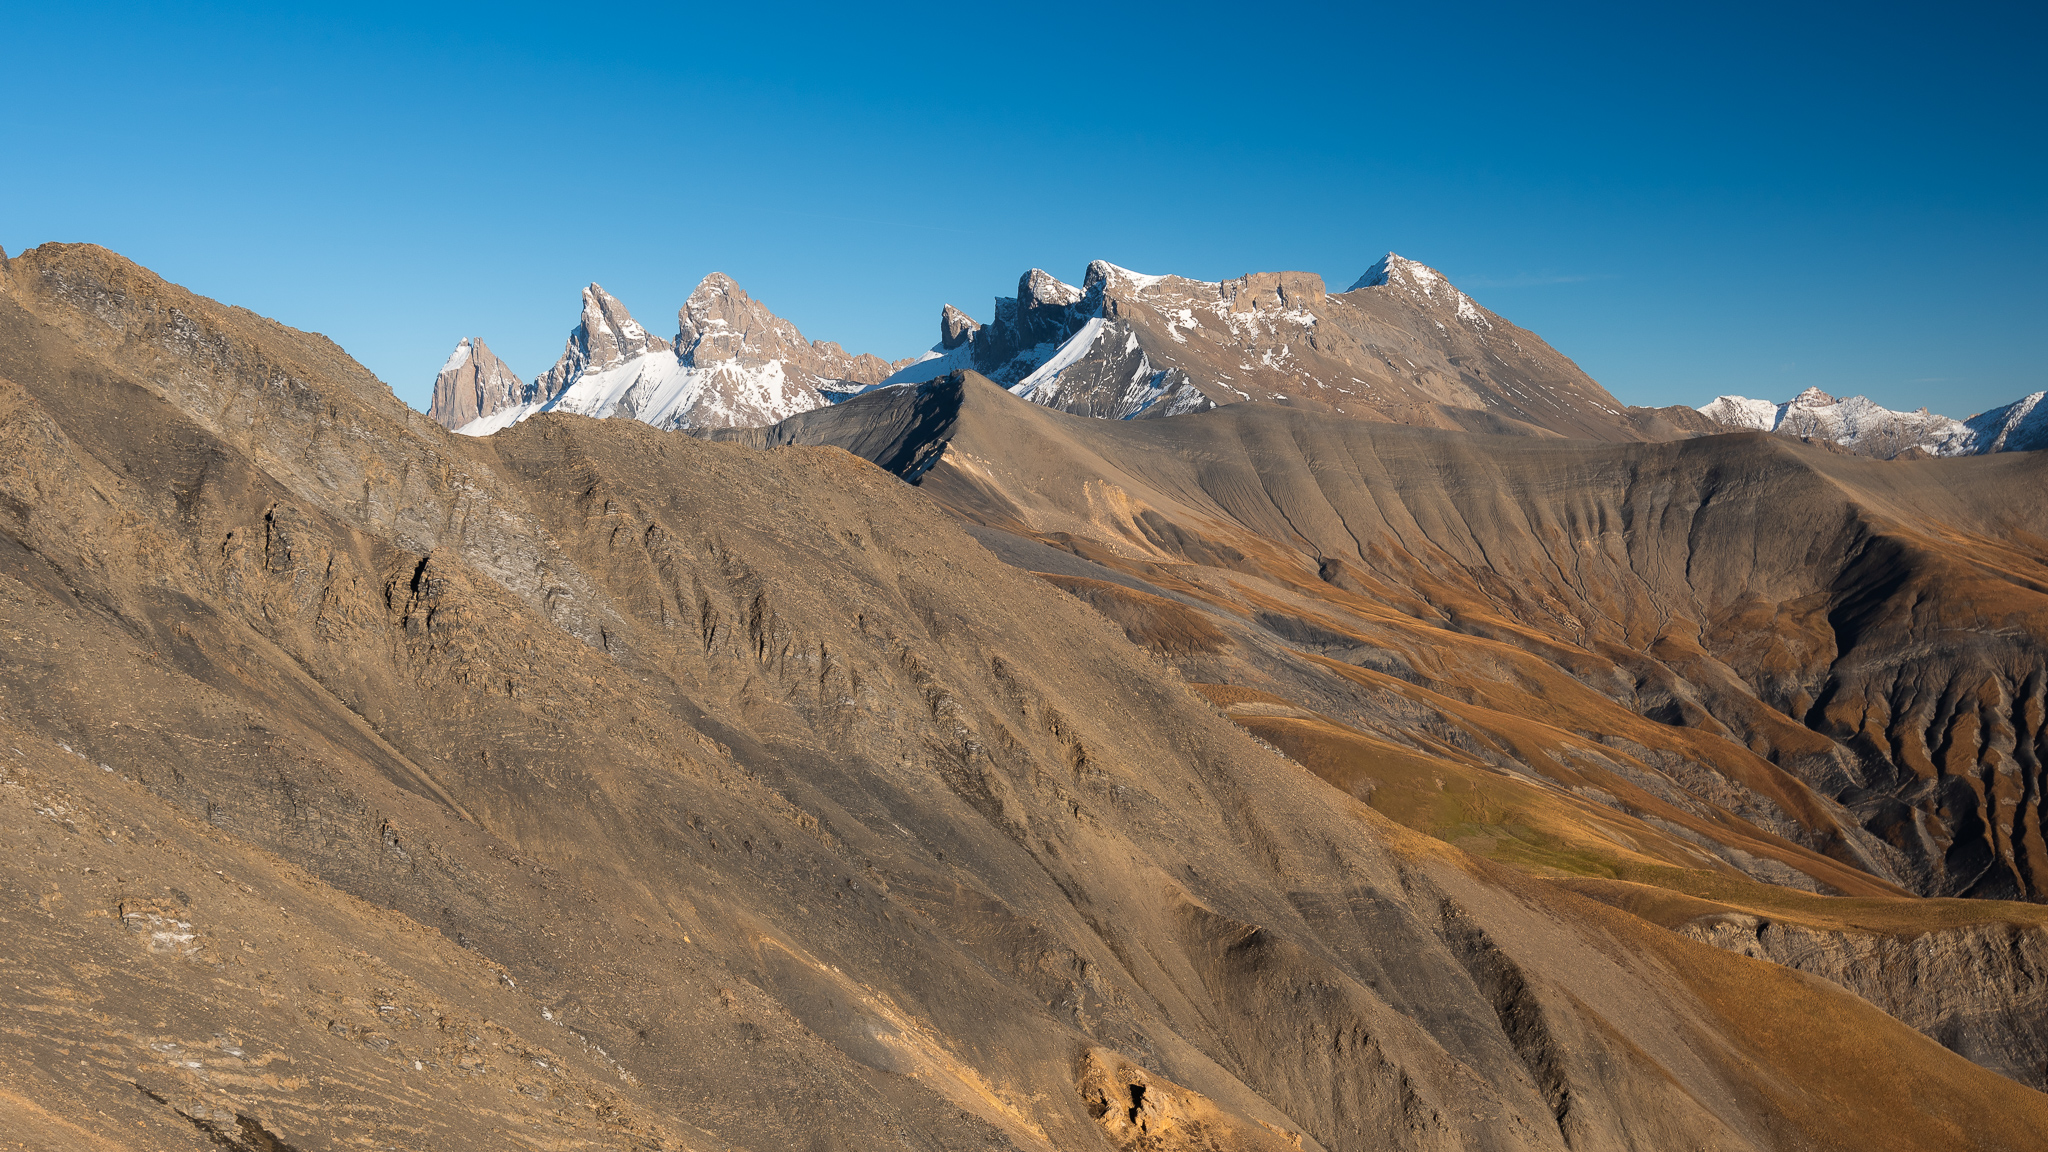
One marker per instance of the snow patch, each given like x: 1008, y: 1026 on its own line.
x: 457, y: 358
x: 1069, y: 353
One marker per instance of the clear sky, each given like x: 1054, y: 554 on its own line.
x: 1687, y: 199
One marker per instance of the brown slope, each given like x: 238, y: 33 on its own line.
x: 1850, y: 647
x: 791, y: 818
x: 1480, y: 690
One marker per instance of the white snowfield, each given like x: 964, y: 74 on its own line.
x: 457, y: 358
x: 1860, y: 422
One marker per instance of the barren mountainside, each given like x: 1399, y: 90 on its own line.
x: 1402, y: 345
x: 588, y: 785
x: 1855, y: 648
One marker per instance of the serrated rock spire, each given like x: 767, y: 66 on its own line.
x: 605, y: 336
x: 474, y: 383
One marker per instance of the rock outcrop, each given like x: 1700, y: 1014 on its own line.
x: 1980, y: 991
x: 474, y: 383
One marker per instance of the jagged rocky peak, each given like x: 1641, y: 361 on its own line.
x: 1404, y: 345
x: 1040, y: 289
x: 956, y: 327
x: 605, y: 336
x: 720, y: 323
x: 473, y: 383
x: 1279, y: 291
x: 1401, y: 272
x: 734, y: 363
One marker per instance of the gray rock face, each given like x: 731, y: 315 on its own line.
x: 474, y: 383
x: 760, y: 368
x: 1980, y: 991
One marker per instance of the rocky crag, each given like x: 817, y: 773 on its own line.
x: 473, y: 384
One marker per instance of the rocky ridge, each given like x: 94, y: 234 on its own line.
x: 1401, y: 345
x: 1869, y: 429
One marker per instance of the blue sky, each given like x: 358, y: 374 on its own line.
x: 1707, y: 199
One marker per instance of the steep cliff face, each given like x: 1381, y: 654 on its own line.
x: 593, y: 785
x: 1980, y: 991
x: 473, y: 383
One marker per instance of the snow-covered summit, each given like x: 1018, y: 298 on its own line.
x: 1868, y: 428
x: 1396, y: 269
x: 1424, y: 286
x: 2021, y: 426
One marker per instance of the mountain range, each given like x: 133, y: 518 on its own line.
x: 947, y: 768
x: 1869, y: 429
x: 1402, y: 345
x: 732, y: 363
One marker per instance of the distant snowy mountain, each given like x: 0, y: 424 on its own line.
x: 2021, y: 426
x: 1402, y: 345
x: 1869, y: 429
x: 733, y: 364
